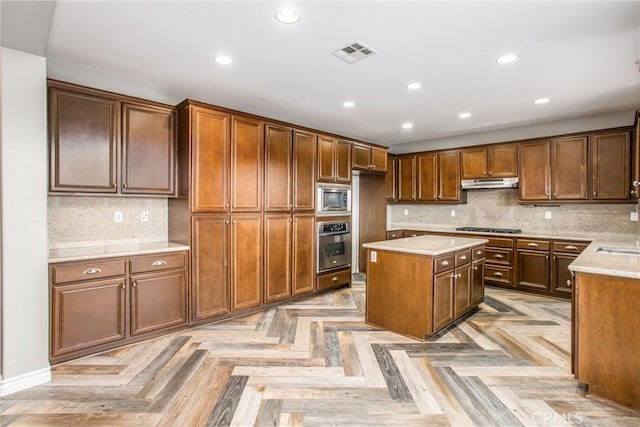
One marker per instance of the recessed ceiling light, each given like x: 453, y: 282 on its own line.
x: 407, y: 125
x: 287, y: 16
x: 348, y: 104
x: 507, y: 59
x: 464, y: 115
x: 414, y: 85
x: 223, y: 60
x: 541, y: 101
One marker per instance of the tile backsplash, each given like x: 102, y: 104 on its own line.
x: 86, y: 221
x: 500, y: 208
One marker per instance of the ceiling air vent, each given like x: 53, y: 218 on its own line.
x: 354, y: 52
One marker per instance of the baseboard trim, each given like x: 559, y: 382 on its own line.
x: 22, y: 382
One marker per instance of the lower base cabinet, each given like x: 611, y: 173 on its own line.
x: 104, y: 303
x: 333, y: 278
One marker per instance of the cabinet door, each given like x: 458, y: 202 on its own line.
x: 535, y: 173
x: 277, y: 174
x: 636, y: 159
x: 569, y: 168
x: 474, y: 163
x: 326, y: 158
x: 560, y: 282
x: 304, y: 171
x: 210, y: 288
x: 247, y: 150
x: 83, y: 137
x: 477, y: 283
x: 148, y: 149
x: 427, y: 177
x: 533, y: 270
x: 210, y: 148
x: 610, y: 160
x: 391, y: 180
x: 246, y: 261
x: 361, y: 157
x: 378, y: 160
x: 343, y: 162
x: 442, y: 300
x: 277, y: 257
x: 449, y: 176
x: 304, y: 248
x: 406, y: 178
x: 87, y: 315
x: 158, y: 301
x: 503, y: 160
x: 462, y: 290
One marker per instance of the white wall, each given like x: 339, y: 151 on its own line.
x: 23, y: 168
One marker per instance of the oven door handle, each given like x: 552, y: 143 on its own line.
x: 333, y: 234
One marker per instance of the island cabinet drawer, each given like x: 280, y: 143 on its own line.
x: 498, y: 274
x: 477, y: 252
x: 499, y: 256
x: 443, y: 263
x: 569, y: 247
x: 157, y: 262
x: 329, y: 280
x: 500, y: 242
x: 535, y: 245
x: 87, y: 271
x: 392, y: 235
x: 413, y: 233
x: 463, y: 258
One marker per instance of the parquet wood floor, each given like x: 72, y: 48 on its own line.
x: 315, y: 362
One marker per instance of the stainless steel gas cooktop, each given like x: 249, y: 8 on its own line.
x: 490, y: 230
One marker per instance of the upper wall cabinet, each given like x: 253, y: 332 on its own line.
x: 369, y: 159
x: 610, y: 166
x: 334, y: 160
x: 494, y: 161
x: 103, y: 143
x: 391, y: 179
x: 429, y: 177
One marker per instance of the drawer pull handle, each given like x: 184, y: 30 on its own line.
x: 92, y: 271
x: 569, y: 283
x: 478, y: 252
x: 159, y: 263
x: 533, y: 245
x: 571, y: 247
x: 463, y: 257
x: 498, y: 274
x: 445, y: 262
x: 335, y: 279
x: 498, y: 256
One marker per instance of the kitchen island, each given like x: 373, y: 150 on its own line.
x: 417, y: 286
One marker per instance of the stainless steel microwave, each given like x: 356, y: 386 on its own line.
x: 333, y: 199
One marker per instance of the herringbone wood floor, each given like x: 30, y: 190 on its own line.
x: 316, y: 362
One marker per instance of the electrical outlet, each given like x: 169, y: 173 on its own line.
x: 453, y: 212
x: 633, y: 216
x: 118, y: 216
x: 144, y: 216
x: 547, y: 215
x: 406, y: 212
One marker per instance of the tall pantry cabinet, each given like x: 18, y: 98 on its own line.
x: 218, y: 209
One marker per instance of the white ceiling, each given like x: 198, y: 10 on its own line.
x: 581, y: 55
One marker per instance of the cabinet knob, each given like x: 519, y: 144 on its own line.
x: 121, y: 285
x: 475, y: 267
x: 555, y: 194
x: 636, y: 183
x: 290, y: 219
x: 463, y: 257
x: 125, y: 186
x: 595, y: 194
x: 226, y: 205
x: 445, y: 263
x: 490, y: 173
x: 115, y: 185
x: 226, y: 221
x: 134, y: 284
x: 334, y: 279
x: 569, y: 283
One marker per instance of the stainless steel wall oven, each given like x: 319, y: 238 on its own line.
x: 334, y: 244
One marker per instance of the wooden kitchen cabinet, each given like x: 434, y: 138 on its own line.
x: 104, y: 143
x: 610, y: 166
x: 369, y: 159
x: 304, y: 254
x: 535, y: 170
x: 427, y: 177
x: 499, y: 261
x: 247, y: 148
x: 462, y: 284
x: 635, y: 152
x: 391, y: 179
x: 304, y: 171
x: 406, y: 178
x: 569, y: 168
x: 443, y: 313
x: 449, y: 176
x: 210, y: 281
x: 334, y: 160
x: 494, y: 161
x: 477, y: 282
x: 277, y: 256
x: 533, y: 270
x: 246, y: 261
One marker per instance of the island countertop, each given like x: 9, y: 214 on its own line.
x: 426, y: 245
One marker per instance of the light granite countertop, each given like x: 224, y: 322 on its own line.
x: 109, y: 251
x: 426, y: 245
x: 590, y: 261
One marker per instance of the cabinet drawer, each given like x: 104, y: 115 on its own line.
x: 497, y: 274
x: 443, y: 263
x: 334, y: 279
x: 569, y: 247
x: 477, y: 252
x: 391, y: 235
x: 500, y: 242
x: 413, y: 233
x: 499, y: 256
x: 157, y: 262
x: 534, y: 245
x: 463, y: 258
x: 87, y: 271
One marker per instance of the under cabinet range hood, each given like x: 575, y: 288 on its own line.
x: 472, y: 184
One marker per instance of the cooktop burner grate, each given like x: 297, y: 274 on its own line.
x: 490, y: 230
